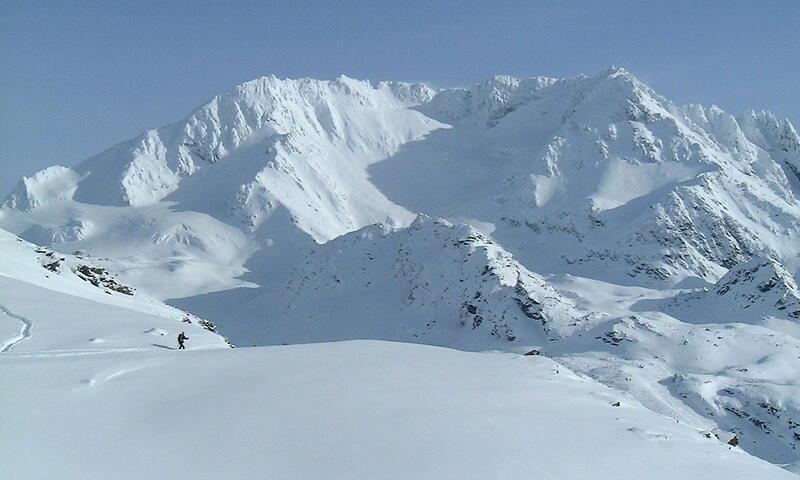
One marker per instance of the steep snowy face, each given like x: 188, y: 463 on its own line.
x: 186, y: 205
x: 596, y: 141
x: 614, y: 176
x: 307, y: 153
x: 488, y: 101
x: 778, y: 138
x: 432, y: 283
x: 745, y: 204
x: 51, y: 185
x: 692, y: 198
x: 301, y: 144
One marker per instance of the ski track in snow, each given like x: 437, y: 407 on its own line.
x: 24, y: 332
x: 79, y: 353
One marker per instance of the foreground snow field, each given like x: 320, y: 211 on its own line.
x: 360, y: 409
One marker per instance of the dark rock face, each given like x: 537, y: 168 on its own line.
x: 100, y: 278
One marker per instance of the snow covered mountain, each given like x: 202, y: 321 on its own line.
x: 433, y: 283
x: 266, y: 144
x: 750, y: 291
x: 650, y: 246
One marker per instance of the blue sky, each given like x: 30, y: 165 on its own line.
x: 77, y: 77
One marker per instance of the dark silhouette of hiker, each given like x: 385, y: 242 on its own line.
x: 182, y: 338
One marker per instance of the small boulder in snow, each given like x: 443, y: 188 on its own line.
x: 726, y: 437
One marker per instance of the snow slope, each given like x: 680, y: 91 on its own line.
x: 340, y: 410
x: 56, y: 311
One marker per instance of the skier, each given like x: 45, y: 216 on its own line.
x: 182, y: 338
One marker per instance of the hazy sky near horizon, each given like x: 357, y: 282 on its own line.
x: 78, y: 76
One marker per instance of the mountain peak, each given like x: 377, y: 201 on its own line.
x: 53, y: 184
x: 789, y: 141
x: 613, y: 71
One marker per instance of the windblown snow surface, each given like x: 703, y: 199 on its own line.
x: 647, y: 251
